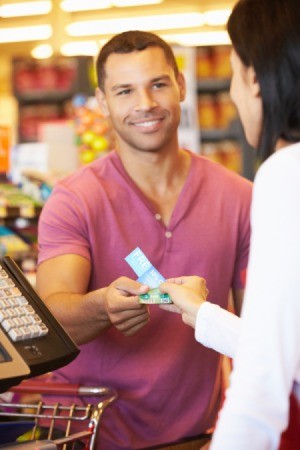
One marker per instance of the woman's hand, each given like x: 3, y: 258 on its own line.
x: 187, y: 294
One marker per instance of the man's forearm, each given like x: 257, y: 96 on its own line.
x: 83, y: 316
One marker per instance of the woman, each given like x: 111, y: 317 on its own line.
x: 265, y: 87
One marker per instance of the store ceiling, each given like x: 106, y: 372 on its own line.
x: 59, y: 20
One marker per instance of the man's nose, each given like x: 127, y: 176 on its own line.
x: 145, y: 101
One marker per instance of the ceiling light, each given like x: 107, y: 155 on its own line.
x: 217, y: 18
x: 88, y: 48
x: 33, y: 33
x: 200, y: 38
x: 87, y: 5
x: 124, y: 3
x: 112, y: 26
x: 25, y: 9
x: 42, y: 51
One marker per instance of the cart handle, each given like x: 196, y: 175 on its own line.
x: 49, y: 388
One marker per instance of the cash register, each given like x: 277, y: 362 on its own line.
x: 32, y: 341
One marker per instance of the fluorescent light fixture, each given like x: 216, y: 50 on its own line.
x: 84, y: 5
x: 25, y: 9
x: 200, y: 38
x: 217, y: 18
x: 124, y: 3
x: 33, y: 33
x: 157, y: 22
x: 88, y: 5
x: 42, y: 51
x: 88, y: 48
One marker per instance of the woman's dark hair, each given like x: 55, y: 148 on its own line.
x: 131, y: 41
x: 266, y: 35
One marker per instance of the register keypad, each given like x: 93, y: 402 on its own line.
x: 17, y: 317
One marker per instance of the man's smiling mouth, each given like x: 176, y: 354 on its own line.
x: 147, y: 124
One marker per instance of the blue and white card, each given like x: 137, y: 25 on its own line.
x: 149, y: 275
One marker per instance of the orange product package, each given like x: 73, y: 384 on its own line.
x: 5, y: 143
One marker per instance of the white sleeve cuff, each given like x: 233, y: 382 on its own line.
x: 217, y: 328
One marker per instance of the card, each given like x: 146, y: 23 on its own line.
x: 149, y: 275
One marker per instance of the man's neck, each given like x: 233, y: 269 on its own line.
x: 159, y: 177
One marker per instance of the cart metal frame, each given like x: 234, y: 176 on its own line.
x: 89, y: 415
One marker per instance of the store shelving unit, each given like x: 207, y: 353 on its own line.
x: 221, y: 134
x: 19, y: 215
x: 44, y: 89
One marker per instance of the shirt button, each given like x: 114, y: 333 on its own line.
x: 157, y: 216
x: 168, y: 234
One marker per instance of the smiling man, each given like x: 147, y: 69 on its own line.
x: 190, y: 216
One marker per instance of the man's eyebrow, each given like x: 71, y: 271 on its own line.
x: 116, y: 87
x: 160, y: 78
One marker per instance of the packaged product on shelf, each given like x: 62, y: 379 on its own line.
x: 207, y: 112
x: 19, y: 214
x: 37, y: 185
x: 43, y: 89
x: 221, y: 61
x: 232, y: 155
x: 212, y: 151
x: 228, y: 153
x: 55, y: 75
x: 204, y: 62
x: 11, y: 244
x: 15, y: 202
x: 32, y: 115
x: 226, y: 110
x: 5, y: 143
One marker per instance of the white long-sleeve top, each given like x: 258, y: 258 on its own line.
x: 265, y: 343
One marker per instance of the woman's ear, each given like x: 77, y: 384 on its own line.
x: 253, y: 82
x: 100, y: 96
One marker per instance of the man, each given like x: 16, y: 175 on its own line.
x: 187, y: 214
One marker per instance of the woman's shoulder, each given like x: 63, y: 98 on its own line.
x: 283, y: 164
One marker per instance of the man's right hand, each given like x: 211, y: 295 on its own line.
x: 63, y: 283
x: 123, y: 308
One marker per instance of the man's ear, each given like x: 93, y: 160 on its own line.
x: 100, y: 96
x: 181, y: 84
x: 253, y: 82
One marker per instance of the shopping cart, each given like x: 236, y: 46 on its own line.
x: 67, y: 416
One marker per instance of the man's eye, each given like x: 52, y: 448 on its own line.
x: 124, y: 92
x: 159, y: 85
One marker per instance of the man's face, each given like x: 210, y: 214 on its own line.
x: 142, y: 97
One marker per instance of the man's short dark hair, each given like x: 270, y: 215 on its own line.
x: 132, y: 41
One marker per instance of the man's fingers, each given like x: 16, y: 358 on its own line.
x: 132, y: 329
x: 129, y: 286
x: 121, y: 315
x: 133, y: 324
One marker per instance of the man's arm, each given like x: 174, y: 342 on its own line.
x: 62, y: 283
